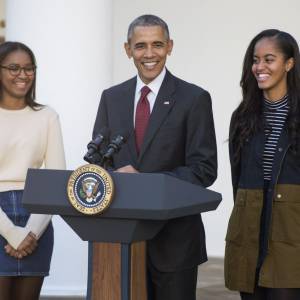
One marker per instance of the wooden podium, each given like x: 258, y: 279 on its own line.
x: 141, y: 206
x: 107, y: 261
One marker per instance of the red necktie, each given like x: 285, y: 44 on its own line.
x: 142, y: 116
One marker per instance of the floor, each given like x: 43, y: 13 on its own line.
x: 210, y: 283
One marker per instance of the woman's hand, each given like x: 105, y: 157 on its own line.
x: 12, y: 252
x: 26, y: 247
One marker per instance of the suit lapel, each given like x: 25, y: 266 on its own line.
x: 126, y: 111
x: 163, y: 104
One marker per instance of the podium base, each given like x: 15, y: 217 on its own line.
x: 117, y: 271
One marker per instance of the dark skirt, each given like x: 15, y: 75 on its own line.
x: 35, y: 264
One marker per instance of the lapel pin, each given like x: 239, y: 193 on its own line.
x: 167, y: 102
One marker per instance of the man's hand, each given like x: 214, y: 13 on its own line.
x: 127, y: 169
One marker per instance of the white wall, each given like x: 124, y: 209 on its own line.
x: 72, y: 43
x: 210, y: 38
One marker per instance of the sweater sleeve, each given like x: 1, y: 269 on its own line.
x: 54, y: 159
x: 55, y: 156
x: 13, y: 234
x: 37, y: 224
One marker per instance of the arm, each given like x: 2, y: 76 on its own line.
x: 201, y: 150
x: 21, y: 241
x: 101, y: 118
x: 13, y: 234
x: 26, y: 247
x: 101, y: 122
x: 54, y: 159
x: 235, y: 167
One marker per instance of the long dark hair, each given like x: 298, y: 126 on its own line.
x: 247, y: 117
x: 9, y: 47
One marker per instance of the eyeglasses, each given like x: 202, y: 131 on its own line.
x: 15, y: 70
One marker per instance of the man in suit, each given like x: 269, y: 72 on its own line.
x: 172, y: 130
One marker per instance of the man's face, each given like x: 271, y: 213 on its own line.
x: 149, y: 48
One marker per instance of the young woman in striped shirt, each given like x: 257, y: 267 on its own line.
x: 262, y: 257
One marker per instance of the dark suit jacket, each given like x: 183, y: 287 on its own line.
x: 180, y: 141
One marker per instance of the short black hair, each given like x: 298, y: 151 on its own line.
x: 148, y: 20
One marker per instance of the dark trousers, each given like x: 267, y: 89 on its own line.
x: 261, y: 293
x: 180, y: 285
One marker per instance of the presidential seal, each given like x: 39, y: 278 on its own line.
x: 90, y: 189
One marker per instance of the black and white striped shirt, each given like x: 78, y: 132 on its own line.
x: 275, y: 114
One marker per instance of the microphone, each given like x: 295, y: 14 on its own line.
x: 93, y: 154
x: 115, y: 145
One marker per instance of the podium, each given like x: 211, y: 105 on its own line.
x: 142, y: 204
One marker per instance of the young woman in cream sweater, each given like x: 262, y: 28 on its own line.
x: 30, y: 137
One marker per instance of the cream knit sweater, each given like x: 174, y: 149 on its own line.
x: 28, y: 139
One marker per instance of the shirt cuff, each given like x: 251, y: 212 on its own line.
x: 37, y: 224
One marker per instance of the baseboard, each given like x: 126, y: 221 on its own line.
x: 63, y: 292
x: 61, y: 298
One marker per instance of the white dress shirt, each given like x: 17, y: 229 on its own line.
x: 154, y: 86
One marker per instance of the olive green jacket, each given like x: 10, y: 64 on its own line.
x: 281, y: 266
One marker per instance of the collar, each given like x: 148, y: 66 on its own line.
x: 276, y: 105
x: 154, y: 85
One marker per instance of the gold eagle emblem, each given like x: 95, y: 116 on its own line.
x: 89, y: 190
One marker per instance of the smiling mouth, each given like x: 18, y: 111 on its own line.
x: 21, y: 84
x: 150, y: 65
x: 262, y: 77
